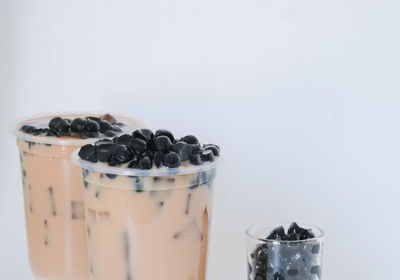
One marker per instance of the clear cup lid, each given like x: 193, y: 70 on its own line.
x: 41, y: 121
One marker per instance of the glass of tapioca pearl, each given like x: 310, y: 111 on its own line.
x: 274, y: 253
x: 53, y: 189
x: 148, y: 218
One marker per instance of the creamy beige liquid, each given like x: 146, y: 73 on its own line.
x: 160, y: 232
x: 53, y: 195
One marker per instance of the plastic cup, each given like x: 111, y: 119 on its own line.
x: 283, y: 260
x: 53, y: 198
x: 147, y: 224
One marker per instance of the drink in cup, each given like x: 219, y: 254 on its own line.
x: 148, y: 202
x: 53, y: 188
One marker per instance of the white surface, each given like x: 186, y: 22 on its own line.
x: 303, y: 96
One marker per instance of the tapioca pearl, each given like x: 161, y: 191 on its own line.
x: 121, y: 154
x: 162, y: 143
x: 158, y: 158
x: 86, y: 184
x: 207, y: 155
x: 105, y: 126
x: 137, y: 145
x: 316, y: 269
x: 92, y: 125
x: 164, y: 132
x: 143, y: 134
x: 172, y: 160
x: 195, y: 159
x: 111, y: 176
x: 109, y: 133
x: 78, y: 125
x: 105, y: 150
x: 59, y: 125
x: 213, y: 148
x: 315, y: 249
x: 145, y: 163
x: 190, y: 139
x: 124, y: 139
x: 183, y: 149
x: 27, y: 128
x: 88, y: 152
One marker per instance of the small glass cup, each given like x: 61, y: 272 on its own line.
x: 283, y: 260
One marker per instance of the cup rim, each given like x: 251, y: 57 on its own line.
x: 164, y: 171
x: 14, y: 127
x: 252, y: 236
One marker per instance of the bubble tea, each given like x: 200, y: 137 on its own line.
x: 53, y: 189
x: 148, y: 202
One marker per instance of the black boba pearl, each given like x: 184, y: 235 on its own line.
x: 59, y: 124
x: 105, y: 126
x: 109, y: 133
x: 111, y: 176
x: 90, y: 134
x: 103, y: 141
x: 96, y: 119
x: 183, y: 149
x: 315, y: 249
x: 196, y: 149
x: 115, y: 139
x: 190, y: 139
x: 172, y: 160
x: 277, y: 233
x: 316, y: 270
x: 144, y: 134
x: 105, y: 150
x: 207, y: 155
x: 262, y: 254
x: 88, y: 152
x: 162, y: 143
x: 78, y: 125
x: 212, y: 148
x: 292, y: 272
x: 92, y: 125
x: 38, y: 131
x: 144, y: 163
x: 195, y: 159
x: 138, y: 145
x: 124, y: 139
x: 134, y: 162
x: 27, y: 129
x: 164, y: 132
x: 116, y: 128
x: 53, y: 133
x: 294, y: 236
x: 121, y: 154
x: 278, y: 276
x: 158, y: 158
x: 294, y: 228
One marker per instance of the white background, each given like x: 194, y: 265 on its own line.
x: 302, y: 95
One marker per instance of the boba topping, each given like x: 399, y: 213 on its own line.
x: 89, y: 127
x: 143, y: 149
x: 293, y: 254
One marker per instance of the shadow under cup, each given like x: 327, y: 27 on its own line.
x: 283, y: 260
x: 147, y: 224
x: 53, y: 199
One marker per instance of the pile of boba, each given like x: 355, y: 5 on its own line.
x: 89, y: 127
x: 291, y: 257
x: 144, y: 149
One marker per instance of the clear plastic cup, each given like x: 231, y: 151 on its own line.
x: 147, y: 224
x: 283, y: 260
x: 53, y: 198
